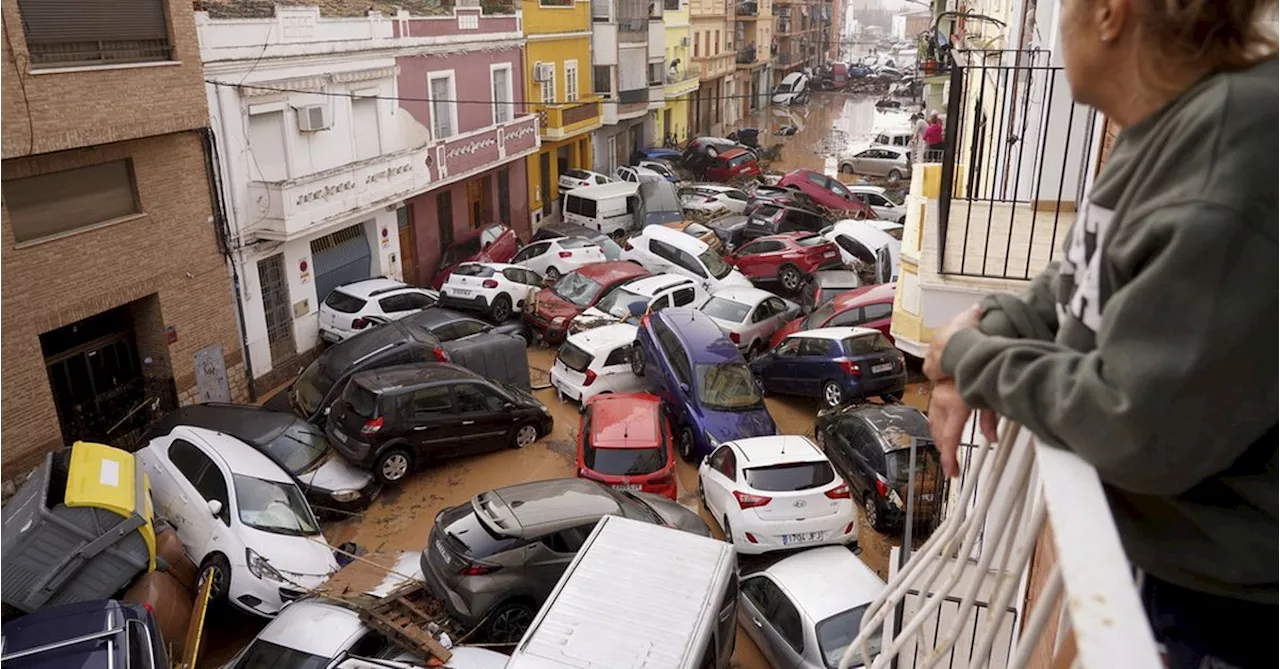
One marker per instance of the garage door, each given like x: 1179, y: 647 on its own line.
x: 339, y: 258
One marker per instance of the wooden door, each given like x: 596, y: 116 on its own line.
x: 408, y: 245
x: 477, y: 207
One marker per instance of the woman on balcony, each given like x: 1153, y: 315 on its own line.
x: 1149, y: 348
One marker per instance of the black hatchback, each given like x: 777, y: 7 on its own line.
x: 394, y: 419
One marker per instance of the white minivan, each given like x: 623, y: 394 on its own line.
x: 638, y: 594
x: 660, y: 250
x: 609, y: 208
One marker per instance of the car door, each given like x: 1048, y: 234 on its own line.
x: 484, y: 415
x: 765, y: 319
x: 753, y: 259
x: 836, y: 443
x: 877, y: 316
x: 852, y: 249
x: 780, y: 372
x: 615, y: 372
x: 812, y: 365
x: 773, y: 621
x: 197, y: 480
x: 520, y: 284
x: 662, y: 258
x: 435, y: 429
x: 719, y: 480
x: 868, y: 457
x: 550, y: 555
x: 679, y: 296
x: 533, y: 256
x: 864, y: 161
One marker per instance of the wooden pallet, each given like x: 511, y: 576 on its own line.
x: 403, y: 617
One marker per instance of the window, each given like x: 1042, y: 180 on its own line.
x: 856, y: 249
x: 580, y: 206
x: 570, y: 80
x: 850, y: 317
x: 778, y: 611
x: 518, y: 275
x: 619, y: 356
x: 663, y: 250
x: 444, y: 106
x: 394, y: 303
x: 130, y: 31
x: 876, y: 311
x: 695, y: 46
x: 188, y: 459
x: 430, y: 401
x: 444, y: 218
x: 717, y: 42
x: 567, y: 542
x: 213, y: 486
x: 530, y: 251
x: 761, y: 247
x: 501, y: 82
x: 548, y: 90
x: 790, y: 347
x: 601, y: 79
x: 474, y: 398
x: 655, y: 74
x: 60, y: 202
x: 683, y: 296
x: 725, y: 462
x: 504, y: 195
x: 364, y: 119
x: 267, y: 146
x: 139, y: 641
x: 460, y: 329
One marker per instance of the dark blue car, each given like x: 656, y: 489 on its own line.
x: 833, y: 364
x: 702, y: 377
x: 86, y: 635
x: 661, y: 153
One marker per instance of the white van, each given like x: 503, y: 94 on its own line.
x: 792, y: 89
x: 638, y: 596
x: 610, y: 208
x: 660, y: 250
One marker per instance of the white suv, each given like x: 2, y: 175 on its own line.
x: 644, y: 294
x: 554, y: 258
x: 660, y: 249
x: 493, y: 288
x: 348, y: 310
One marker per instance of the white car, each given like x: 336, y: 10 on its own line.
x: 661, y: 168
x: 776, y: 493
x: 579, y: 178
x: 595, y: 362
x: 553, y: 258
x: 497, y: 289
x: 639, y: 296
x: 889, y: 207
x: 350, y: 309
x: 793, y: 89
x: 749, y: 316
x: 660, y: 250
x: 237, y: 511
x: 637, y: 174
x: 892, y: 162
x: 867, y: 244
x: 714, y: 197
x: 315, y: 633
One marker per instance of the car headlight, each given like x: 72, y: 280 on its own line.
x: 711, y: 439
x: 259, y: 567
x: 345, y: 495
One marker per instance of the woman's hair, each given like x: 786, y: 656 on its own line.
x: 1219, y: 34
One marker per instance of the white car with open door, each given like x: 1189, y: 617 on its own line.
x: 350, y: 309
x: 496, y: 289
x: 776, y: 493
x: 628, y: 302
x: 891, y: 208
x: 867, y: 244
x: 637, y: 175
x: 749, y: 316
x: 553, y: 258
x: 237, y: 511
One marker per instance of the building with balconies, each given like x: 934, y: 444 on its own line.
x: 715, y: 53
x: 681, y: 77
x: 753, y: 32
x: 353, y: 145
x: 628, y: 57
x: 115, y: 284
x: 560, y: 90
x: 792, y: 36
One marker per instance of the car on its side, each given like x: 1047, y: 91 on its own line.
x: 703, y: 378
x: 827, y: 192
x: 889, y: 206
x: 712, y: 197
x: 698, y: 231
x: 624, y: 442
x: 496, y: 558
x: 730, y: 229
x: 595, y: 362
x: 793, y: 89
x: 868, y: 307
x: 351, y: 308
x: 560, y: 229
x: 395, y: 419
x: 240, y: 516
x: 663, y: 250
x: 493, y: 243
x: 835, y: 365
x: 629, y: 301
x: 749, y: 316
x: 496, y: 289
x: 820, y: 287
x: 551, y: 309
x: 700, y: 152
x: 776, y: 493
x: 553, y: 258
x: 891, y: 162
x: 578, y: 178
x: 99, y: 634
x: 780, y: 196
x: 771, y: 219
x: 786, y: 258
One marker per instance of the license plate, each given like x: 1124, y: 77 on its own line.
x: 342, y: 436
x: 877, y: 369
x: 328, y: 336
x: 461, y: 293
x: 802, y: 538
x: 630, y: 487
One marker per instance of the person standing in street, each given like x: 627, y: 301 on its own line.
x: 1149, y: 347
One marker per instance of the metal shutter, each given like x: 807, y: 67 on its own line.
x: 340, y: 258
x: 67, y: 32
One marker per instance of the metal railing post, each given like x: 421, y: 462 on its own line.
x: 955, y: 96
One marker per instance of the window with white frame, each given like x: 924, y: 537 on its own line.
x: 549, y: 86
x: 570, y: 80
x: 444, y: 105
x: 500, y: 77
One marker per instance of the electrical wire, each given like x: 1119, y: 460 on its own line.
x: 20, y: 70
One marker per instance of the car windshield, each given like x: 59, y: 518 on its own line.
x: 727, y: 386
x: 273, y: 506
x: 298, y: 448
x: 577, y: 289
x: 267, y: 655
x: 623, y: 461
x: 620, y: 301
x: 790, y: 477
x: 715, y: 264
x: 819, y: 316
x: 725, y: 309
x: 837, y: 632
x: 893, y: 197
x: 311, y: 386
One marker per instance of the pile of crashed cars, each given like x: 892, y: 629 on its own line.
x: 679, y: 292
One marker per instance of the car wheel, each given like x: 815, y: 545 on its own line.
x: 872, y: 512
x: 637, y: 361
x: 552, y: 274
x: 902, y: 221
x: 508, y: 622
x: 846, y: 168
x: 392, y: 466
x: 685, y: 444
x: 501, y: 309
x: 832, y: 395
x: 702, y: 495
x: 524, y: 435
x: 894, y: 396
x: 894, y: 175
x: 216, y: 567
x: 790, y: 277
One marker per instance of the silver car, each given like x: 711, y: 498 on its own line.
x: 881, y: 161
x: 496, y: 559
x: 749, y: 316
x: 805, y: 610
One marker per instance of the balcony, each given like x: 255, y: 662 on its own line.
x: 631, y: 16
x: 747, y: 57
x: 556, y: 122
x: 681, y: 81
x: 749, y: 10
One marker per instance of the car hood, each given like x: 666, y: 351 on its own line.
x: 553, y: 306
x: 290, y: 555
x: 333, y: 474
x: 730, y: 425
x: 675, y: 515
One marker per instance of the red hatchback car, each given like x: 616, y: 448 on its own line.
x: 494, y: 243
x: 827, y: 192
x: 625, y: 443
x: 786, y: 258
x: 732, y: 164
x: 868, y: 307
x: 551, y: 309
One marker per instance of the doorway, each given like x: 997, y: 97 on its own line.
x: 408, y: 244
x: 667, y: 129
x: 478, y: 202
x: 275, y: 308
x: 444, y: 217
x: 544, y: 181
x: 96, y: 377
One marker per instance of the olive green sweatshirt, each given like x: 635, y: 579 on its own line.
x: 1149, y: 348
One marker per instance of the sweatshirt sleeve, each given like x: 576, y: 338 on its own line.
x: 1032, y: 315
x: 1183, y: 376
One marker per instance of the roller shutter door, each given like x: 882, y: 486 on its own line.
x: 340, y: 258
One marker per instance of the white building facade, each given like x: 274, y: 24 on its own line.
x: 628, y: 57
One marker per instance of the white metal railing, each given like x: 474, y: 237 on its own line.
x: 999, y: 513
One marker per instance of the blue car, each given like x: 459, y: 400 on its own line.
x: 661, y: 153
x: 86, y: 635
x: 706, y: 384
x: 833, y: 364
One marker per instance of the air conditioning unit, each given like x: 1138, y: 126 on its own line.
x: 544, y: 71
x: 313, y: 118
x: 684, y: 41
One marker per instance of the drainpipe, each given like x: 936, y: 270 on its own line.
x: 213, y: 169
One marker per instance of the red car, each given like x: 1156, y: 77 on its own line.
x: 625, y: 443
x: 827, y: 192
x: 494, y: 243
x: 868, y: 307
x: 786, y: 258
x: 732, y: 164
x: 551, y: 309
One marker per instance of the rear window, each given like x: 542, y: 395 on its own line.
x: 793, y: 476
x: 264, y: 654
x: 728, y: 310
x: 580, y: 206
x: 576, y: 243
x: 928, y: 466
x: 577, y: 174
x: 624, y: 461
x: 740, y: 160
x: 865, y: 344
x: 362, y: 400
x: 469, y: 536
x: 347, y: 304
x: 574, y: 358
x: 811, y: 241
x: 473, y: 270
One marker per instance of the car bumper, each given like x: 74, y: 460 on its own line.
x: 322, y: 500
x: 769, y: 535
x: 453, y: 602
x: 568, y: 389
x: 353, y: 450
x: 334, y: 336
x: 543, y: 327
x: 265, y: 597
x: 878, y: 386
x: 479, y: 302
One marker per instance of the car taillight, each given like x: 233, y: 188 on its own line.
x: 490, y: 283
x: 359, y: 324
x: 566, y: 254
x: 440, y: 354
x: 475, y: 569
x: 882, y: 487
x: 748, y: 501
x: 591, y: 377
x: 735, y: 338
x: 840, y: 492
x: 626, y: 246
x: 372, y: 426
x: 850, y: 368
x: 585, y: 183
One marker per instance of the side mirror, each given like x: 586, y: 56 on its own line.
x: 684, y: 387
x: 215, y: 507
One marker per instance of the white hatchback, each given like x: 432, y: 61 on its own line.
x: 638, y: 296
x: 638, y: 174
x: 890, y: 208
x: 497, y: 289
x: 553, y: 258
x: 660, y: 249
x: 711, y: 198
x: 237, y: 511
x: 579, y: 178
x: 596, y: 362
x: 776, y: 493
x: 350, y: 309
x: 749, y: 316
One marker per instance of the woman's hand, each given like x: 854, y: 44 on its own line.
x: 948, y: 414
x: 969, y: 318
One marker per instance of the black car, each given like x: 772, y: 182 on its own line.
x: 820, y: 287
x: 300, y: 448
x: 450, y: 325
x: 393, y: 419
x: 772, y: 219
x: 729, y: 229
x: 499, y: 352
x: 557, y: 230
x: 87, y: 635
x: 870, y: 445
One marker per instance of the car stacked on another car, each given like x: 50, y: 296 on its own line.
x: 575, y: 178
x: 493, y: 243
x: 596, y: 362
x: 551, y: 309
x: 868, y: 307
x: 749, y: 316
x: 629, y: 301
x: 887, y: 205
x: 821, y: 287
x: 833, y: 364
x: 732, y: 166
x: 558, y: 229
x: 713, y: 197
x: 771, y: 219
x: 354, y: 307
x: 624, y: 442
x: 661, y: 250
x: 827, y: 192
x: 554, y: 258
x: 785, y: 258
x: 491, y: 288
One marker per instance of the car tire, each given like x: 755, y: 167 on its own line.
x: 702, y: 495
x: 508, y: 622
x: 872, y: 513
x: 393, y: 465
x: 846, y: 168
x: 500, y: 310
x: 524, y: 435
x: 790, y: 277
x: 902, y: 221
x: 895, y: 175
x: 685, y: 444
x: 895, y: 396
x: 637, y: 361
x: 222, y: 580
x: 754, y: 350
x: 832, y: 394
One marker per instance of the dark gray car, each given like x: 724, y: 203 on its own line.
x: 495, y: 560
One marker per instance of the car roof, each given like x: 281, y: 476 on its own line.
x: 601, y: 191
x: 675, y: 238
x: 705, y: 342
x: 566, y: 229
x: 837, y: 333
x: 604, y: 337
x: 369, y: 287
x: 743, y: 294
x: 864, y: 295
x: 625, y: 421
x: 776, y: 450
x: 792, y: 77
x: 613, y: 271
x: 414, y: 375
x: 248, y: 423
x: 650, y: 285
x: 825, y: 581
x: 239, y: 457
x: 899, y: 424
x: 532, y: 509
x: 728, y: 221
x: 315, y: 627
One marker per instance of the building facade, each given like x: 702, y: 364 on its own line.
x: 711, y: 24
x: 560, y: 91
x: 681, y: 78
x: 790, y: 46
x: 753, y: 32
x: 337, y: 134
x: 628, y: 58
x: 115, y: 284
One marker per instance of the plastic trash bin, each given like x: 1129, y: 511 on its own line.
x: 79, y: 529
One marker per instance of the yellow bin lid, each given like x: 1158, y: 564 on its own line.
x: 106, y: 477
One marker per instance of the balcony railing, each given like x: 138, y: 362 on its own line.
x: 690, y: 71
x: 954, y: 602
x: 633, y: 96
x: 747, y: 56
x: 750, y: 8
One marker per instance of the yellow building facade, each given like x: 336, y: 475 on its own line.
x: 681, y: 78
x: 558, y: 89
